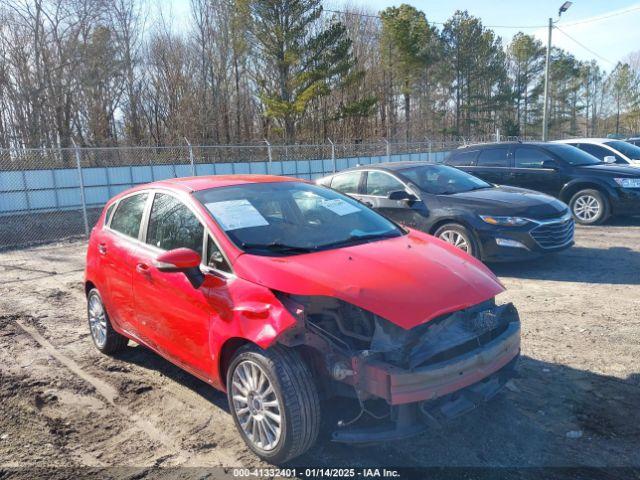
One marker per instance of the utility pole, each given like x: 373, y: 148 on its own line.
x: 545, y: 107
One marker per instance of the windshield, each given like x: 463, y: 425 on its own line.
x: 288, y: 218
x: 443, y: 180
x: 572, y: 155
x: 625, y: 148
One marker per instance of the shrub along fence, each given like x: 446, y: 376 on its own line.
x: 49, y: 195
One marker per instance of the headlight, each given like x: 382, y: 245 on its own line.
x: 504, y: 221
x: 628, y: 182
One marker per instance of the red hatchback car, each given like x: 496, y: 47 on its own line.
x: 283, y: 293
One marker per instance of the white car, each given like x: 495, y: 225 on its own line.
x: 608, y: 150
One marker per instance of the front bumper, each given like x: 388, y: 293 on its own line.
x: 543, y: 237
x: 398, y: 386
x: 411, y: 419
x: 427, y: 394
x: 626, y: 201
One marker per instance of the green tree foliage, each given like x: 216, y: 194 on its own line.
x: 297, y: 58
x: 478, y: 66
x: 243, y: 70
x: 526, y: 62
x: 408, y: 46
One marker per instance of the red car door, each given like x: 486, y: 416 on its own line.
x: 174, y: 315
x: 116, y: 246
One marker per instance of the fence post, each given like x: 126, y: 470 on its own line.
x: 333, y: 155
x: 81, y: 182
x: 193, y: 165
x: 270, y: 156
x: 388, y: 147
x: 429, y: 157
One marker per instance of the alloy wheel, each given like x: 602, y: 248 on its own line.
x: 456, y: 239
x: 97, y: 321
x: 256, y: 405
x: 587, y: 208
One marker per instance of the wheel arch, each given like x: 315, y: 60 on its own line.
x: 227, y: 352
x: 572, y: 188
x: 88, y: 286
x: 459, y: 221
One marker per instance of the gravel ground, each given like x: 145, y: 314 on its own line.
x: 63, y: 404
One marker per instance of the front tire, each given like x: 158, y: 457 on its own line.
x: 458, y: 236
x: 589, y: 207
x: 274, y: 402
x: 104, y: 337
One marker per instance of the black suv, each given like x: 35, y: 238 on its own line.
x: 593, y: 190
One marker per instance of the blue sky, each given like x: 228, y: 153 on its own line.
x: 608, y: 28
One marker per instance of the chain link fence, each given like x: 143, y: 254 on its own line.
x: 49, y: 198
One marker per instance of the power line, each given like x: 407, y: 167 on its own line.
x: 579, y: 22
x: 585, y: 47
x: 597, y: 19
x: 371, y: 15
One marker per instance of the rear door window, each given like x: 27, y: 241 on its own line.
x: 493, y: 157
x: 128, y: 215
x: 531, y: 157
x: 346, y: 182
x: 173, y: 225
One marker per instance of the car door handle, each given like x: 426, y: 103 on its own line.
x: 102, y: 248
x: 142, y: 268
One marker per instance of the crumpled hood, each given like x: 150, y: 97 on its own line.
x: 407, y: 280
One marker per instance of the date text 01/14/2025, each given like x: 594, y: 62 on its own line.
x: 316, y: 473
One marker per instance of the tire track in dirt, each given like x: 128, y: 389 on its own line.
x: 110, y: 394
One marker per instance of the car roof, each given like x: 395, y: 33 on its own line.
x: 498, y: 144
x: 194, y: 184
x: 595, y: 141
x: 388, y: 166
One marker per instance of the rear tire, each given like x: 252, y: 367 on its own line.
x: 104, y: 337
x: 276, y: 381
x: 458, y: 236
x: 589, y: 207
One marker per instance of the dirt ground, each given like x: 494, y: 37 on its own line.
x: 577, y: 403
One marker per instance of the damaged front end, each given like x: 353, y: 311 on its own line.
x: 437, y: 370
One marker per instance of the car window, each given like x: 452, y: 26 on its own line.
x: 595, y: 150
x: 442, y: 179
x: 493, y: 157
x: 599, y: 152
x: 346, y: 182
x: 173, y: 225
x: 381, y: 184
x: 128, y: 215
x: 315, y: 218
x: 572, y: 155
x: 107, y: 215
x: 628, y: 149
x: 215, y: 259
x: 462, y: 159
x: 531, y: 157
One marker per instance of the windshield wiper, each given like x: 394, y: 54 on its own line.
x: 355, y: 238
x: 276, y: 247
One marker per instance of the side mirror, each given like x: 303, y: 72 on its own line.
x: 182, y: 260
x: 401, y: 195
x: 550, y: 164
x: 609, y: 159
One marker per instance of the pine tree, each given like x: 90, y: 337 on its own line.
x: 297, y: 58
